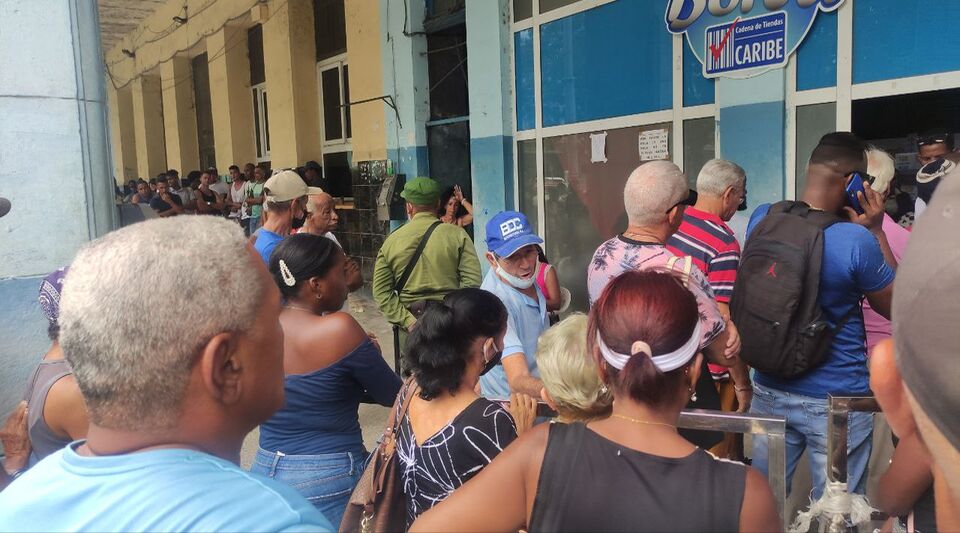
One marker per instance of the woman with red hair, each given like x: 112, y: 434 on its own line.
x: 631, y: 471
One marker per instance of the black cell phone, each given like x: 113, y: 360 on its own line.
x: 543, y: 410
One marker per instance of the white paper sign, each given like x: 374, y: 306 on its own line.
x: 654, y: 145
x: 598, y: 147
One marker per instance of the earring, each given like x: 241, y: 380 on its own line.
x: 693, y: 394
x: 603, y: 389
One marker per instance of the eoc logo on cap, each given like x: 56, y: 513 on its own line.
x: 744, y: 42
x: 511, y: 227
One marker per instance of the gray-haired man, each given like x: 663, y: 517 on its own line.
x: 169, y: 405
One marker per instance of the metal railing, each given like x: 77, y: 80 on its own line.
x: 839, y: 407
x: 772, y: 427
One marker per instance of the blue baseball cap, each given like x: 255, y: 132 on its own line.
x: 508, y: 231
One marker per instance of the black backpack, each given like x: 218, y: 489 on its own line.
x: 775, y: 302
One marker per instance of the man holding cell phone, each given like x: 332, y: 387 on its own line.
x: 856, y: 262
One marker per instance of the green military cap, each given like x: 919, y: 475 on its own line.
x: 421, y: 191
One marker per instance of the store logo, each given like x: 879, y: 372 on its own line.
x: 744, y: 42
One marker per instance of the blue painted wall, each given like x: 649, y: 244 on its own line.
x: 895, y: 39
x: 752, y: 132
x: 817, y: 54
x: 609, y: 61
x: 697, y: 90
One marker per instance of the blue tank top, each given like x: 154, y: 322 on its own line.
x: 319, y: 414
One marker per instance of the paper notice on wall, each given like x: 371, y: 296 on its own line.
x: 598, y: 147
x: 654, y: 145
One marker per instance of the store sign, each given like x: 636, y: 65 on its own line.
x: 743, y: 38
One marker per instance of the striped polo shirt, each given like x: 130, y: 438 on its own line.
x: 713, y: 247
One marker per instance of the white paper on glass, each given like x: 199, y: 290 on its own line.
x: 654, y: 145
x: 598, y: 147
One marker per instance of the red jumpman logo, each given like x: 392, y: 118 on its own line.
x: 773, y: 272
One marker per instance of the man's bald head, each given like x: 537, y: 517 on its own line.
x: 321, y: 214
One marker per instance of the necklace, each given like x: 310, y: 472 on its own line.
x: 299, y: 308
x: 640, y: 237
x: 638, y: 421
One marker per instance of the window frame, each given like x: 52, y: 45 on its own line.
x: 261, y: 130
x: 675, y: 116
x: 344, y: 143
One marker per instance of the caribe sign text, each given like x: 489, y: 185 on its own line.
x: 744, y: 42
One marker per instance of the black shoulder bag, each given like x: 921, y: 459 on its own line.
x: 399, y: 287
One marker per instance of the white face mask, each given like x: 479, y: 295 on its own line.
x: 514, y: 281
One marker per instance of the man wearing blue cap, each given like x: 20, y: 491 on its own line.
x: 513, y: 257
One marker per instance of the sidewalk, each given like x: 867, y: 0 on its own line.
x: 373, y: 418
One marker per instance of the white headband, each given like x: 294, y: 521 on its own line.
x: 666, y: 362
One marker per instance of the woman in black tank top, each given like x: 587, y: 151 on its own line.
x: 631, y: 471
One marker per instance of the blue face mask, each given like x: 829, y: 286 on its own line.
x: 516, y: 282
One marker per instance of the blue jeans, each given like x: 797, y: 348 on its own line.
x: 252, y: 224
x: 326, y: 480
x: 807, y: 429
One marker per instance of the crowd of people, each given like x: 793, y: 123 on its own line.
x: 136, y: 428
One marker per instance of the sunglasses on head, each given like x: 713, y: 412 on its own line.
x: 927, y: 140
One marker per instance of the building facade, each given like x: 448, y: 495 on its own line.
x: 540, y: 105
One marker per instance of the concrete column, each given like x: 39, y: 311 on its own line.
x: 148, y: 126
x: 180, y: 118
x: 290, y: 62
x: 405, y: 76
x: 366, y: 81
x: 491, y: 109
x: 230, y: 97
x: 123, y: 140
x: 56, y: 164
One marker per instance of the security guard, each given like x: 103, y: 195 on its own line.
x: 404, y: 280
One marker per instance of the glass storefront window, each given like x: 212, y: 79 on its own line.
x: 699, y: 146
x: 527, y: 174
x: 522, y: 10
x: 813, y: 122
x: 584, y: 200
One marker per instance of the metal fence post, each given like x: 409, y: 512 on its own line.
x: 839, y: 407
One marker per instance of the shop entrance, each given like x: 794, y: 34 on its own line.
x: 893, y: 123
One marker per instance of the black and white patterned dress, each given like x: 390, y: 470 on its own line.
x: 451, y: 456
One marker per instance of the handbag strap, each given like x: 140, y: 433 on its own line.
x: 400, y: 409
x: 415, y: 257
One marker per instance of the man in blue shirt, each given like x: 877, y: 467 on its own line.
x: 513, y: 257
x: 286, y: 202
x: 169, y: 405
x: 857, y: 262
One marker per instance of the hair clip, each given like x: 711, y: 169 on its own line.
x: 287, y: 276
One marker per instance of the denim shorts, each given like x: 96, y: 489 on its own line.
x: 326, y: 480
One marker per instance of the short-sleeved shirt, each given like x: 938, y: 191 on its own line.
x: 852, y: 266
x: 453, y: 455
x: 266, y: 242
x: 158, y: 205
x: 154, y: 490
x: 621, y: 254
x: 526, y: 319
x: 878, y: 328
x: 448, y: 262
x: 712, y: 245
x: 319, y: 413
x: 255, y: 190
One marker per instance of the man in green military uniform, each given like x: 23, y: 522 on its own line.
x: 448, y: 260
